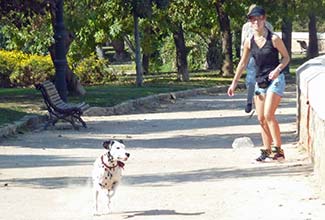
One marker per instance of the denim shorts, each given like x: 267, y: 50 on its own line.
x: 277, y: 86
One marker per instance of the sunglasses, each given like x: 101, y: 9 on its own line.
x: 256, y: 18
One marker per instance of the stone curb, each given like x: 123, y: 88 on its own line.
x: 31, y: 122
x: 25, y: 123
x: 150, y: 102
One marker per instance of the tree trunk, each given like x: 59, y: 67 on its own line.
x: 286, y: 29
x: 60, y: 61
x: 313, y: 41
x: 58, y: 52
x: 224, y: 22
x: 181, y: 54
x: 145, y: 63
x: 213, y: 56
x: 148, y: 35
x: 139, y: 79
x: 73, y: 84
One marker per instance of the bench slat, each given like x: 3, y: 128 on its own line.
x: 55, y: 98
x: 52, y: 92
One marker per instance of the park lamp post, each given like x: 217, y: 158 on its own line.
x: 60, y: 61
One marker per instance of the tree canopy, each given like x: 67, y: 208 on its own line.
x: 28, y: 25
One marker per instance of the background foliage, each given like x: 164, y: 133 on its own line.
x: 27, y: 27
x: 18, y: 69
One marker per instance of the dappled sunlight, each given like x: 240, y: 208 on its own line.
x: 176, y: 115
x: 217, y: 174
x: 183, y: 152
x: 197, y: 132
x: 168, y: 116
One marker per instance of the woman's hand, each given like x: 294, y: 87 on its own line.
x: 231, y: 89
x: 274, y: 74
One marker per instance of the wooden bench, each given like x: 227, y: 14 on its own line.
x: 58, y: 109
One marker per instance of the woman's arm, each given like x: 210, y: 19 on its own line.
x: 279, y: 45
x: 240, y: 68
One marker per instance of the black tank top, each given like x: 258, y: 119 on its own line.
x: 266, y: 57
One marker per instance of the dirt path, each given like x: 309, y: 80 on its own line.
x: 182, y: 166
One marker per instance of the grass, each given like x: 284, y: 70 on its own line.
x: 10, y: 114
x: 17, y: 102
x: 296, y: 61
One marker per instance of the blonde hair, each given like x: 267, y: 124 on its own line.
x: 251, y: 7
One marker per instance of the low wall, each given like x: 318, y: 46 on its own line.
x: 304, y: 36
x: 311, y: 113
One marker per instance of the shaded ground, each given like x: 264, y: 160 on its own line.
x: 182, y: 166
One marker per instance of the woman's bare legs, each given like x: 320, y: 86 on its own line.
x: 265, y: 131
x: 266, y: 105
x: 272, y: 101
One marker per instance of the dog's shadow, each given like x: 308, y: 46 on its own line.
x: 132, y: 214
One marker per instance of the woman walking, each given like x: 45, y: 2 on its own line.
x: 265, y: 47
x: 247, y: 33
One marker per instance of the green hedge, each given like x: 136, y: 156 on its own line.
x: 95, y: 71
x: 32, y: 70
x: 23, y: 70
x: 19, y: 70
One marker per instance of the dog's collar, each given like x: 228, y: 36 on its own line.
x: 119, y: 163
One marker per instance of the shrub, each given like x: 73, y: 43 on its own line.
x: 9, y: 61
x: 32, y: 70
x: 94, y: 71
x: 20, y: 69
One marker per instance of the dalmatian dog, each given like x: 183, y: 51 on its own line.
x: 107, y: 171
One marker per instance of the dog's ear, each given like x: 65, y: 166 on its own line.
x: 107, y: 144
x: 121, y: 141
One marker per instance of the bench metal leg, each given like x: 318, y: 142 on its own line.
x: 82, y: 122
x: 53, y: 119
x: 74, y: 124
